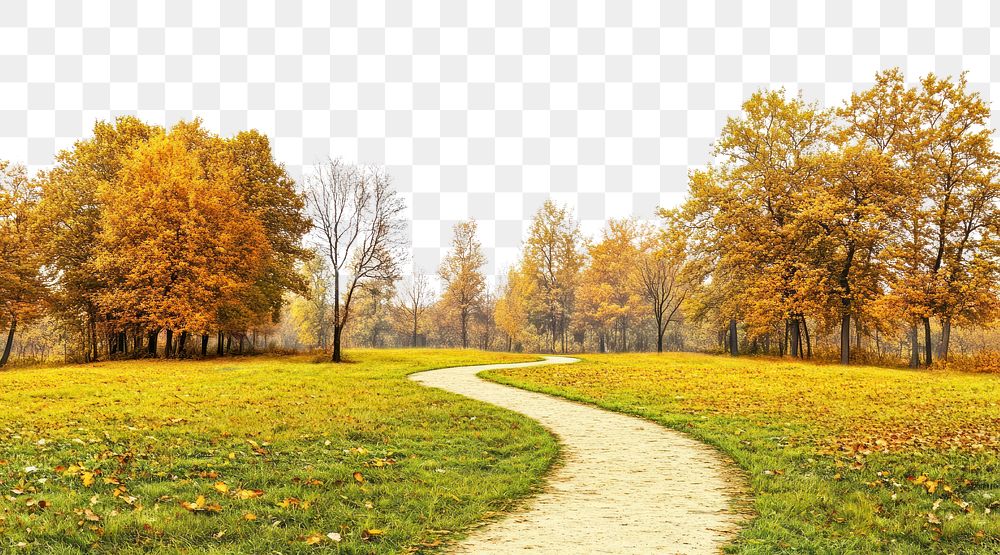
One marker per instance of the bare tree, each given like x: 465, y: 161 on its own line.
x: 414, y: 298
x: 662, y: 286
x: 356, y: 216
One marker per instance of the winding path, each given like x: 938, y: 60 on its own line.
x: 625, y: 485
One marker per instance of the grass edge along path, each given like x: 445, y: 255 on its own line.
x: 285, y: 455
x: 815, y: 489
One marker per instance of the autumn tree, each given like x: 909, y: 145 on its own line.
x: 743, y: 212
x: 20, y: 286
x: 512, y: 306
x: 356, y: 215
x: 553, y: 259
x: 608, y: 298
x: 847, y: 213
x: 413, y: 299
x: 175, y: 246
x: 312, y: 310
x: 69, y: 212
x: 957, y: 169
x: 461, y: 272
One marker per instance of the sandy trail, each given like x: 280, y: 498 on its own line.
x: 625, y: 485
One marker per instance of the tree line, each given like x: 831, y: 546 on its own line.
x: 141, y: 231
x: 865, y: 231
x: 855, y: 233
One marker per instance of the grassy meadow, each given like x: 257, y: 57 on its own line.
x: 839, y: 459
x: 255, y: 455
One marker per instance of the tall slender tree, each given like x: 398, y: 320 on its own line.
x: 413, y: 299
x: 20, y: 286
x: 357, y: 221
x: 462, y: 274
x: 553, y: 258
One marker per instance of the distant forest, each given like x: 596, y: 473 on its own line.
x: 865, y: 233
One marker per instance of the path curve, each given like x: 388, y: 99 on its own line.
x: 625, y: 485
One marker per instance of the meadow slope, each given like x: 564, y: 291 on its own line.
x: 840, y: 459
x: 255, y: 455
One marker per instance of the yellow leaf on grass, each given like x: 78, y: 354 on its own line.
x: 87, y: 478
x: 221, y: 487
x: 248, y: 493
x: 359, y: 477
x: 249, y: 516
x: 200, y: 505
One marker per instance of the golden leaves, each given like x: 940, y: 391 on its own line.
x: 200, y: 505
x: 245, y: 494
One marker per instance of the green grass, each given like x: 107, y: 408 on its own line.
x: 838, y: 459
x: 100, y: 458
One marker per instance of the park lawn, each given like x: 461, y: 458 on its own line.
x: 114, y: 457
x: 838, y: 459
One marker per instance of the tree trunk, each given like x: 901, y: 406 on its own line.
x: 220, y: 344
x: 659, y: 336
x: 153, y: 336
x: 414, y: 330
x: 945, y: 339
x: 92, y: 324
x: 182, y: 345
x: 168, y: 347
x: 734, y: 339
x: 242, y: 337
x: 10, y: 342
x: 928, y: 345
x: 845, y: 339
x: 122, y: 342
x: 465, y: 328
x: 229, y: 343
x: 914, y: 348
x: 805, y: 332
x: 336, y: 343
x: 204, y: 344
x: 796, y: 340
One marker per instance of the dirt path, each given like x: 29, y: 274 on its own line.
x: 625, y: 485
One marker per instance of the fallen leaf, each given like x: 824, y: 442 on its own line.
x: 201, y: 506
x: 248, y: 493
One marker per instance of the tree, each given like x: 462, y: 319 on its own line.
x: 20, y: 286
x: 608, y: 298
x: 270, y: 195
x: 661, y: 274
x: 68, y: 217
x: 413, y: 299
x: 174, y: 246
x: 356, y: 215
x: 512, y: 307
x: 848, y: 212
x: 461, y: 272
x: 743, y: 213
x: 957, y: 168
x: 553, y: 258
x: 311, y: 311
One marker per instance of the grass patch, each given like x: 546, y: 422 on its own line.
x: 840, y: 459
x: 113, y: 457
